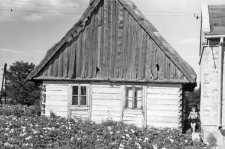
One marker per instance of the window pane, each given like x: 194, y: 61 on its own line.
x: 75, y: 100
x: 139, y: 93
x: 83, y: 101
x: 129, y: 103
x: 75, y: 90
x: 129, y: 93
x: 83, y: 90
x: 139, y: 103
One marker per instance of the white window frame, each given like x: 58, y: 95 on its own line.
x: 79, y: 95
x: 133, y: 98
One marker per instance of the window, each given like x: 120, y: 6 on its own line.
x: 134, y: 97
x: 79, y: 96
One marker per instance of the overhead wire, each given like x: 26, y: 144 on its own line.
x: 168, y: 13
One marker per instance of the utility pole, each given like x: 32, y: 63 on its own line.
x: 3, y: 79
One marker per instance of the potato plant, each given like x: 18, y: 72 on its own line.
x: 35, y: 132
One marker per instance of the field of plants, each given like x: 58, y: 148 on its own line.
x: 20, y: 127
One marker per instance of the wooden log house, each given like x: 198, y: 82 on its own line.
x: 114, y: 64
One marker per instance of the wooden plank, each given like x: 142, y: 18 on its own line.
x: 143, y: 55
x: 157, y: 101
x: 72, y: 60
x: 135, y: 118
x: 65, y: 61
x: 163, y: 125
x: 90, y: 44
x: 55, y: 93
x: 152, y: 58
x: 124, y: 44
x: 113, y: 38
x: 106, y: 107
x: 105, y: 40
x: 105, y: 86
x: 133, y: 49
x: 84, y: 112
x: 163, y: 119
x: 56, y: 102
x: 139, y: 52
x: 165, y: 91
x: 79, y: 55
x: 106, y: 96
x: 162, y: 113
x: 94, y: 45
x: 100, y: 119
x: 55, y: 66
x: 60, y: 68
x: 162, y: 107
x: 57, y: 98
x: 100, y: 102
x: 120, y: 25
x: 99, y: 30
x: 106, y: 90
x: 109, y: 113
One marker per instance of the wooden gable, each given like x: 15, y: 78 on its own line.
x: 113, y: 41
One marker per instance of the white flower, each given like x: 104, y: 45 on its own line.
x: 171, y: 140
x: 121, y: 146
x: 28, y: 138
x: 132, y: 130
x: 109, y: 128
x: 186, y: 141
x: 111, y: 132
x: 146, y: 139
x: 138, y: 145
x: 127, y: 135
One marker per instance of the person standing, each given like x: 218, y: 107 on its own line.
x: 193, y: 118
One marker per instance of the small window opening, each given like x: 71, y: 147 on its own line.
x: 157, y: 67
x: 97, y: 70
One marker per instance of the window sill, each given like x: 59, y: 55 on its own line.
x: 130, y: 109
x: 79, y: 108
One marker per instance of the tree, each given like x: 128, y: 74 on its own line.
x: 21, y: 91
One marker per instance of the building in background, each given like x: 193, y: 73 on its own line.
x: 212, y: 71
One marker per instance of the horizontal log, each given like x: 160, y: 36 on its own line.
x: 106, y: 90
x: 162, y: 107
x: 106, y: 96
x: 163, y: 119
x: 106, y: 107
x: 56, y: 98
x: 55, y: 93
x: 106, y: 113
x: 133, y: 111
x: 57, y: 88
x: 159, y: 96
x: 106, y: 86
x: 162, y: 113
x: 99, y: 119
x: 56, y: 102
x: 102, y: 101
x: 136, y: 118
x: 171, y: 86
x: 164, y: 91
x: 79, y: 113
x: 161, y: 102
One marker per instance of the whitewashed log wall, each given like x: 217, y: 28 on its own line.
x: 164, y: 105
x: 56, y: 99
x: 106, y: 102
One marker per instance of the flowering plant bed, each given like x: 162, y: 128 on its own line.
x: 56, y: 132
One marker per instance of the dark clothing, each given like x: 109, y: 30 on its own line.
x: 193, y: 120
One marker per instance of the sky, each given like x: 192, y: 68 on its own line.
x: 28, y: 28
